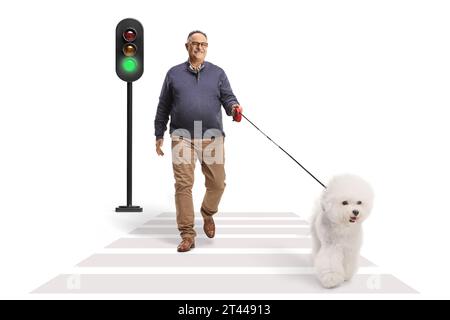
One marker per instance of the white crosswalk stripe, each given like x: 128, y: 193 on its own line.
x: 251, y: 253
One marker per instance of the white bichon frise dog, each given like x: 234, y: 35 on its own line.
x: 336, y: 228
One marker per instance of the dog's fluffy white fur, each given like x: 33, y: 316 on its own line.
x: 336, y: 228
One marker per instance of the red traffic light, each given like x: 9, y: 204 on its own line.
x: 129, y: 35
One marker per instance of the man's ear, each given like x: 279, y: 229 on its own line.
x: 326, y: 203
x: 186, y: 46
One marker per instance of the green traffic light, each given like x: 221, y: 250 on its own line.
x: 129, y: 64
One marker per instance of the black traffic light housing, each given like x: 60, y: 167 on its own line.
x: 129, y: 50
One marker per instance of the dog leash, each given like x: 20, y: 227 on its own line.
x: 283, y: 150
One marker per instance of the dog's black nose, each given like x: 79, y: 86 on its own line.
x: 355, y: 212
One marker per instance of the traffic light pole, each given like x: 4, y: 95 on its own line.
x: 129, y: 207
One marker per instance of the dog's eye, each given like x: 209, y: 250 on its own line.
x: 359, y: 202
x: 344, y: 203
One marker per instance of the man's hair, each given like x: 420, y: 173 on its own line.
x: 196, y: 31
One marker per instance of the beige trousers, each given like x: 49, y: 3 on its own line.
x: 211, y: 155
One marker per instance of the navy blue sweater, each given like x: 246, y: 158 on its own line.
x: 189, y: 96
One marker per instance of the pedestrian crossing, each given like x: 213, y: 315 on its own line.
x: 263, y: 253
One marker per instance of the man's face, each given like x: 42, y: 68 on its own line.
x: 197, y: 46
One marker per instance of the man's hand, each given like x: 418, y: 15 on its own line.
x: 236, y: 113
x: 159, y: 144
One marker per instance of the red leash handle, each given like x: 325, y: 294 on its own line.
x: 237, y: 114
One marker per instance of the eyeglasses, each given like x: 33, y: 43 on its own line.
x: 202, y: 44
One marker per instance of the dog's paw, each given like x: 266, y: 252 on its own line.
x: 331, y: 279
x: 349, y: 271
x: 349, y: 276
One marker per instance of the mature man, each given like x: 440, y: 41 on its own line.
x: 192, y: 95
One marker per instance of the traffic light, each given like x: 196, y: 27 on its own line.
x: 129, y: 68
x: 129, y: 50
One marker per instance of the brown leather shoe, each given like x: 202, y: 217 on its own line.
x: 186, y: 244
x: 209, y: 227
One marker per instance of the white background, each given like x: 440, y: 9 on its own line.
x: 344, y: 86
